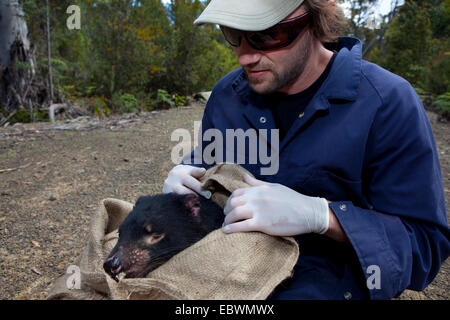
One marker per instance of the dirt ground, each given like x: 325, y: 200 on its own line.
x: 58, y: 177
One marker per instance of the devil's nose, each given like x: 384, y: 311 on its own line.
x: 111, y: 264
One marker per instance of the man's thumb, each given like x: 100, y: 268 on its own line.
x: 198, y: 172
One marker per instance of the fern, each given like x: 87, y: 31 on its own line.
x: 163, y: 97
x: 442, y: 102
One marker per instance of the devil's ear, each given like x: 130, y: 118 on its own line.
x: 192, y: 203
x: 141, y: 199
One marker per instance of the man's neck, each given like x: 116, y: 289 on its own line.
x: 317, y: 62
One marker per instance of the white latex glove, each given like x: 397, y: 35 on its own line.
x: 274, y: 209
x: 182, y: 179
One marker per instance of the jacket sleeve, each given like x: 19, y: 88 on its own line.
x: 404, y: 233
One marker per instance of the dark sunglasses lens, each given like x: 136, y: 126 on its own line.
x: 268, y: 39
x: 279, y: 36
x: 232, y: 36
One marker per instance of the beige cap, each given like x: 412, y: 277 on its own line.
x: 250, y: 15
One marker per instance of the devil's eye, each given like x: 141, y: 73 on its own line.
x: 156, y: 237
x: 148, y: 228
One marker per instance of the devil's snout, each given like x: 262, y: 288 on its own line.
x: 113, y: 267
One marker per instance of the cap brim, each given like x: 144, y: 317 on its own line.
x: 247, y: 14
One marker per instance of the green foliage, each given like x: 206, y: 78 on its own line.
x: 216, y: 61
x: 124, y: 103
x: 11, y: 154
x: 179, y: 101
x: 163, y: 98
x: 23, y: 115
x: 442, y: 103
x: 409, y: 52
x: 126, y: 52
x: 99, y: 105
x: 139, y: 55
x: 424, y: 96
x: 59, y: 64
x: 421, y: 93
x: 439, y: 80
x: 90, y: 90
x: 22, y: 65
x: 416, y: 46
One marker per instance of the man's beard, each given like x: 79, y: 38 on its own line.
x: 285, y: 77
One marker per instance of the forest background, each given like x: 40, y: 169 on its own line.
x: 141, y: 55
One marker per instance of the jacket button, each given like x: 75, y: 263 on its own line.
x: 347, y: 295
x: 262, y: 119
x: 343, y: 207
x: 301, y: 115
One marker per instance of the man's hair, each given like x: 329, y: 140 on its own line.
x: 328, y: 21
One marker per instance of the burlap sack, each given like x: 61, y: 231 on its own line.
x: 222, y: 180
x: 220, y: 266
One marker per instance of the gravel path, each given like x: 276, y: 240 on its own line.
x: 55, y: 178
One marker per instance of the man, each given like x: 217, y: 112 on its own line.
x: 359, y: 183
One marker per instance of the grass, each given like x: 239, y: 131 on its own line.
x: 9, y: 155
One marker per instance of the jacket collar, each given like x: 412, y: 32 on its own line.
x: 342, y: 82
x: 345, y: 74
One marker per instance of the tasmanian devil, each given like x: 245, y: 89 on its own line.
x: 159, y: 227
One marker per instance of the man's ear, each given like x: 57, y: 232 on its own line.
x: 192, y: 203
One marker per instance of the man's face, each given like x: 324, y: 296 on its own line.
x: 275, y: 70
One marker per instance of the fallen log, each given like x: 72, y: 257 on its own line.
x: 13, y: 169
x: 7, y: 118
x: 55, y: 107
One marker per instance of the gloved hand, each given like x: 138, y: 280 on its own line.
x: 182, y: 179
x: 274, y: 209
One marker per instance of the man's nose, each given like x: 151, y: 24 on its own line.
x: 246, y: 54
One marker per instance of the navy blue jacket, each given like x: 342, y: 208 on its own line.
x: 364, y: 142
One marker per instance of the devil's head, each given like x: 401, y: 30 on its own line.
x: 157, y: 228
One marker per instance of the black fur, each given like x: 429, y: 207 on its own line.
x: 171, y: 222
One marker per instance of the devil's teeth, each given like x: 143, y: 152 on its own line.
x: 117, y: 270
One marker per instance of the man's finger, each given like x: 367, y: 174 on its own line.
x: 240, y: 213
x: 238, y: 192
x: 241, y: 226
x: 195, y: 185
x: 232, y: 203
x: 181, y: 190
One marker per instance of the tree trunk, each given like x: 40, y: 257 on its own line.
x: 49, y: 56
x: 380, y: 37
x: 19, y: 85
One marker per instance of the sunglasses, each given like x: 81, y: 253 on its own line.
x: 279, y: 36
